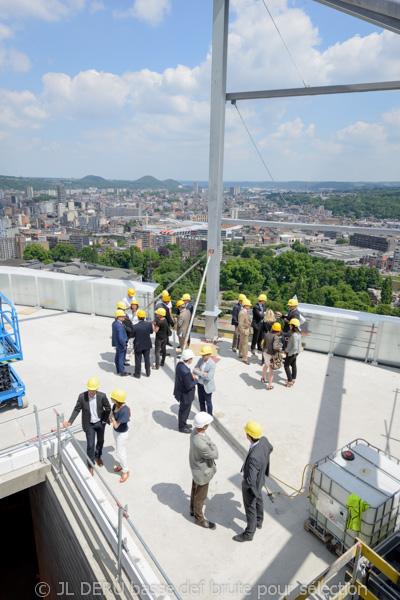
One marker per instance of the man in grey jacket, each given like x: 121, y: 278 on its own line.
x: 255, y: 469
x: 202, y: 455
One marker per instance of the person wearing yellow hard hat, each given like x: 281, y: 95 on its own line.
x: 271, y: 353
x: 142, y: 344
x: 244, y: 324
x: 205, y: 369
x: 182, y: 324
x: 130, y: 294
x: 165, y: 302
x: 235, y: 321
x: 120, y: 417
x: 161, y: 329
x: 134, y: 319
x: 119, y: 340
x: 95, y: 409
x: 258, y: 323
x: 293, y: 349
x: 254, y: 470
x: 293, y: 313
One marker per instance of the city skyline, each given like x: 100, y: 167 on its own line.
x: 121, y: 90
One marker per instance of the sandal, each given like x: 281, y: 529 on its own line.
x: 270, y: 387
x: 264, y: 380
x: 117, y: 469
x: 155, y: 367
x: 288, y: 384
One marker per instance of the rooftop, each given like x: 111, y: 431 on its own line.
x: 334, y: 401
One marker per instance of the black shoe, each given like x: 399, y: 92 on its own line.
x: 124, y: 374
x: 169, y: 344
x: 241, y: 537
x: 259, y: 525
x: 191, y: 513
x: 185, y: 430
x: 206, y: 524
x: 189, y: 426
x: 161, y: 364
x: 127, y: 364
x: 137, y: 376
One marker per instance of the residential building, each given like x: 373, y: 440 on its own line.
x: 382, y: 244
x: 7, y: 248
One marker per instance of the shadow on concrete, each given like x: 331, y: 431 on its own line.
x: 173, y: 496
x: 388, y: 426
x: 108, y: 367
x: 108, y: 356
x: 22, y: 318
x: 165, y: 420
x: 223, y: 510
x: 175, y: 410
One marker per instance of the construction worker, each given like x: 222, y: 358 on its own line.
x: 120, y: 416
x: 95, y: 409
x: 244, y: 324
x: 202, y: 456
x: 161, y: 329
x: 142, y: 344
x: 129, y: 297
x: 183, y: 323
x: 254, y: 470
x: 258, y: 323
x: 205, y: 369
x: 184, y: 389
x: 119, y: 341
x: 235, y: 315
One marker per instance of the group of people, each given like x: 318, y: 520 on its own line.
x: 268, y: 336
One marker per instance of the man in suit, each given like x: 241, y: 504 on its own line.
x: 119, y: 340
x: 255, y: 469
x: 258, y: 323
x: 235, y: 321
x: 95, y: 409
x: 142, y: 343
x: 205, y: 369
x: 184, y: 389
x: 183, y: 323
x: 202, y: 455
x: 244, y: 330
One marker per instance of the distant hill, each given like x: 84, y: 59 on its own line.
x: 47, y: 183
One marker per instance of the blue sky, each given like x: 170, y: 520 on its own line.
x: 120, y: 88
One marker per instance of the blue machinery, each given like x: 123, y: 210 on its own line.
x: 12, y: 390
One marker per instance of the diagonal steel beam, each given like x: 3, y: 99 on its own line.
x: 351, y: 88
x: 383, y: 13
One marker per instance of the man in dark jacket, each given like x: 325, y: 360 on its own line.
x: 255, y: 469
x: 142, y: 343
x: 257, y: 323
x: 235, y: 321
x: 185, y: 385
x: 95, y: 409
x: 119, y: 340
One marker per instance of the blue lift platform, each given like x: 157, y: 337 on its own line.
x: 12, y: 390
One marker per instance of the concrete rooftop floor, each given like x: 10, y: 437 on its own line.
x: 333, y: 402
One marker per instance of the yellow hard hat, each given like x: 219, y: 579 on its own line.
x: 135, y: 302
x: 119, y: 313
x: 242, y: 296
x: 131, y: 292
x: 253, y: 429
x: 262, y: 297
x: 118, y: 396
x: 161, y: 311
x: 294, y: 322
x: 93, y: 384
x: 121, y: 305
x: 276, y: 327
x: 166, y: 298
x: 164, y: 293
x: 141, y: 314
x: 179, y: 303
x: 206, y: 350
x: 246, y: 302
x: 186, y: 297
x: 293, y: 302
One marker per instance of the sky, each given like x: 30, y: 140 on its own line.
x: 121, y: 89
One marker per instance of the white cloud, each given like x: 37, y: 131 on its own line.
x: 152, y: 12
x: 20, y: 110
x: 49, y: 10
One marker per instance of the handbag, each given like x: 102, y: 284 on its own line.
x: 276, y: 362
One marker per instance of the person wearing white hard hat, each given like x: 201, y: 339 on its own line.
x: 184, y: 389
x: 202, y: 455
x: 205, y: 369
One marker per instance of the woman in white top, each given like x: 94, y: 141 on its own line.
x: 293, y: 349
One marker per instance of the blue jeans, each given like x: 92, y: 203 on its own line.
x: 119, y: 360
x: 204, y: 399
x: 95, y: 429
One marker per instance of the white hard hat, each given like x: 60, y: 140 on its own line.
x: 202, y: 419
x: 187, y: 354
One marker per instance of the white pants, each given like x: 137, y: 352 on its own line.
x: 120, y: 443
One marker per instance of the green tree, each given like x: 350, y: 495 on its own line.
x: 88, y: 254
x: 63, y: 252
x: 297, y: 247
x: 37, y: 252
x: 387, y: 291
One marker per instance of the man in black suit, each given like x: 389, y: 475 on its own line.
x: 142, y: 343
x: 184, y: 389
x: 255, y: 469
x: 257, y: 323
x: 95, y: 409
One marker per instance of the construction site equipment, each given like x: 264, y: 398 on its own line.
x: 361, y: 556
x: 12, y: 390
x: 377, y: 581
x: 370, y: 474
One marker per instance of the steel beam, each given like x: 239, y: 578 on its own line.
x: 314, y: 226
x: 381, y: 86
x: 370, y: 12
x: 217, y: 136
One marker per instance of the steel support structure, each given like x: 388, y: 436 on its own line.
x: 216, y: 187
